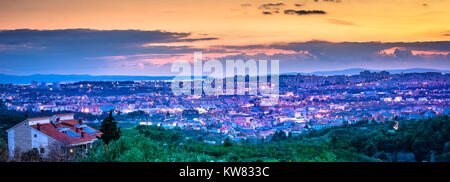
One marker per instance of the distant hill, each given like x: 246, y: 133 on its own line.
x: 50, y: 78
x: 356, y: 71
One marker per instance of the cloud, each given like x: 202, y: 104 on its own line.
x: 303, y: 12
x: 275, y: 8
x: 403, y: 53
x: 246, y: 5
x: 447, y: 33
x: 323, y: 55
x: 341, y: 22
x: 85, y: 51
x: 91, y: 36
x: 347, y: 47
x: 88, y: 42
x: 25, y: 51
x: 271, y: 6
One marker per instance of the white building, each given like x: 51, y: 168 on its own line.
x: 59, y: 133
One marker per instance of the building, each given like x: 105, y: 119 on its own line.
x: 59, y: 133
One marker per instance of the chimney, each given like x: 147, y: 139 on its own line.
x: 80, y: 121
x: 39, y: 126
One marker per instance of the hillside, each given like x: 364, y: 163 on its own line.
x: 422, y: 140
x: 415, y: 140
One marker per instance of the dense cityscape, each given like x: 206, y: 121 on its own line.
x: 306, y: 102
x: 211, y: 90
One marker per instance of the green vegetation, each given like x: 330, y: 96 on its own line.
x: 227, y: 142
x: 7, y: 121
x: 415, y: 140
x: 421, y: 140
x: 279, y: 136
x: 136, y: 147
x: 109, y: 129
x: 151, y: 143
x: 3, y: 151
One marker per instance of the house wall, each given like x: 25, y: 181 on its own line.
x: 11, y: 143
x: 40, y: 140
x: 22, y: 138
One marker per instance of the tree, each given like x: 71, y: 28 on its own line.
x: 4, y: 157
x: 109, y: 129
x: 279, y: 136
x: 370, y: 148
x: 2, y: 106
x: 227, y: 142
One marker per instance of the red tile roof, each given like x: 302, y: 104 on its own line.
x: 52, y: 132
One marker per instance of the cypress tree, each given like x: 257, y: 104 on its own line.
x: 109, y: 129
x: 227, y: 142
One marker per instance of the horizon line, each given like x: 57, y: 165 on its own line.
x: 312, y: 72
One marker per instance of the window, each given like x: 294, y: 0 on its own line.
x: 35, y: 135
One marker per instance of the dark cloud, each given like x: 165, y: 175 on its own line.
x: 57, y: 50
x: 21, y: 36
x: 403, y: 53
x: 85, y: 51
x: 196, y: 39
x: 323, y: 55
x: 274, y: 8
x: 88, y: 42
x: 366, y: 47
x: 271, y: 6
x: 303, y: 12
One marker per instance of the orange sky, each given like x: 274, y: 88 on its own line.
x: 232, y: 23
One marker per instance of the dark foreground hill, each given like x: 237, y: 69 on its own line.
x: 419, y: 140
x: 414, y: 140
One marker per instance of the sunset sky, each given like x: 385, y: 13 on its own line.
x: 77, y: 37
